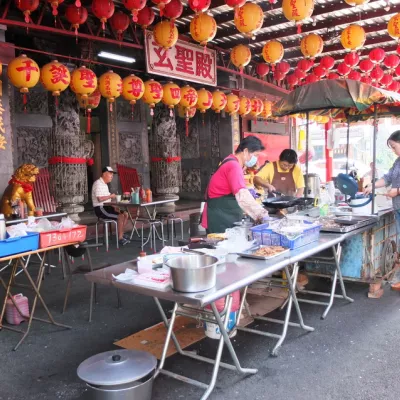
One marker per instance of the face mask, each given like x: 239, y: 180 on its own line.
x: 252, y: 162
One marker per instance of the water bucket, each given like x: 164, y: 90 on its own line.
x: 212, y: 330
x: 13, y: 317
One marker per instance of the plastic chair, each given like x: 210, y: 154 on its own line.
x: 106, y: 222
x: 76, y: 252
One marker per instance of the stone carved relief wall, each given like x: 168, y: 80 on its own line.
x: 33, y: 145
x: 124, y: 111
x: 189, y: 144
x: 191, y: 180
x: 130, y: 148
x: 214, y: 130
x: 37, y: 102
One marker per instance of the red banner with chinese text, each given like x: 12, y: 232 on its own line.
x: 185, y: 61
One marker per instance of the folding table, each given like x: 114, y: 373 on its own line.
x: 16, y: 261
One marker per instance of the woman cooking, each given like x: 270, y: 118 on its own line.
x: 392, y: 178
x: 283, y: 176
x: 227, y: 197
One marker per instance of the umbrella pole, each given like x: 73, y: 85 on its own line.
x: 307, y: 135
x: 374, y: 156
x: 347, y: 146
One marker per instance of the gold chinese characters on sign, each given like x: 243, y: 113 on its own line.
x: 3, y: 141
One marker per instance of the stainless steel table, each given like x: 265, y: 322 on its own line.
x: 152, y: 214
x: 231, y: 276
x: 45, y: 215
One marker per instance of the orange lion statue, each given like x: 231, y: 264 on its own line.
x: 20, y: 187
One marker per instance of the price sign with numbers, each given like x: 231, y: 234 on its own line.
x: 55, y: 238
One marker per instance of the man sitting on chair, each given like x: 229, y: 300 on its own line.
x: 101, y: 196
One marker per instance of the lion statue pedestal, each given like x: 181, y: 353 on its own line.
x: 20, y: 187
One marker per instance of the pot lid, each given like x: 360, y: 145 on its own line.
x: 116, y: 367
x: 347, y: 185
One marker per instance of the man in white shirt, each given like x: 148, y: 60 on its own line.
x: 101, y: 196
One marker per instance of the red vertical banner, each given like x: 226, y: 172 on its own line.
x: 328, y: 152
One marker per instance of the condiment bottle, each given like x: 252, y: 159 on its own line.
x: 3, y: 231
x: 149, y: 196
x: 142, y: 194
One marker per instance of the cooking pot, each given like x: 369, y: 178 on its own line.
x: 194, y: 273
x: 313, y: 185
x: 119, y: 375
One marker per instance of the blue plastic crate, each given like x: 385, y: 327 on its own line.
x: 20, y: 244
x: 263, y: 234
x: 308, y: 236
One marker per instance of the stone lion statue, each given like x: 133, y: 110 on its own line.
x: 20, y: 187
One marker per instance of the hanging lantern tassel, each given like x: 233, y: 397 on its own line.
x: 298, y: 27
x: 132, y: 108
x: 202, y: 117
x: 152, y: 111
x: 111, y: 107
x: 187, y: 123
x: 89, y: 121
x: 171, y: 112
x: 24, y: 100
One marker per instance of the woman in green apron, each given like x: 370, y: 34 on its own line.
x: 227, y: 197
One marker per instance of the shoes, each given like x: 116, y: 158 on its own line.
x: 123, y: 242
x: 396, y: 286
x: 127, y: 237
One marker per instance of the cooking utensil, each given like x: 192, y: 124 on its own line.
x: 193, y: 273
x: 276, y: 193
x: 280, y: 202
x: 250, y: 253
x: 313, y: 185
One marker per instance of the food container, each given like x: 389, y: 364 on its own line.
x: 361, y: 206
x: 245, y: 226
x: 193, y: 273
x: 212, y: 330
x: 119, y: 375
x: 63, y: 236
x: 20, y: 244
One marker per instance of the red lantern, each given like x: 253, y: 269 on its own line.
x: 366, y: 79
x: 386, y: 80
x: 343, y: 69
x: 76, y: 16
x: 327, y: 62
x: 391, y: 61
x: 134, y: 6
x: 262, y: 69
x: 366, y: 65
x: 394, y: 86
x: 145, y: 17
x: 292, y: 80
x: 27, y: 7
x: 103, y: 10
x: 173, y: 9
x: 161, y: 5
x: 376, y: 74
x: 278, y: 76
x: 397, y: 70
x: 199, y: 6
x: 54, y: 6
x: 283, y: 67
x: 333, y: 75
x: 119, y: 23
x: 305, y: 64
x: 377, y: 55
x: 300, y: 74
x: 351, y: 59
x: 235, y: 4
x: 354, y: 75
x: 319, y: 71
x: 311, y: 78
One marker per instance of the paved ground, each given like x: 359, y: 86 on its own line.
x: 352, y: 355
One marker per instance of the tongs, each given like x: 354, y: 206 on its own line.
x: 276, y: 193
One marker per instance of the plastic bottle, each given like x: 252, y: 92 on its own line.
x: 149, y: 196
x: 3, y: 231
x: 21, y: 209
x: 142, y: 194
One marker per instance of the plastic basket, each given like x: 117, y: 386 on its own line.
x: 309, y: 235
x: 264, y: 234
x: 63, y: 236
x: 19, y: 244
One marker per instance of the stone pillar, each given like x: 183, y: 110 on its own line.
x: 164, y: 147
x: 68, y: 180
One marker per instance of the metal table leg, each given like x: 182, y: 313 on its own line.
x: 337, y: 252
x: 291, y: 279
x: 216, y: 362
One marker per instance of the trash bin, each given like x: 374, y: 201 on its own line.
x: 119, y: 375
x: 194, y: 223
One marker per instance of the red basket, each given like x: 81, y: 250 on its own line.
x: 63, y: 236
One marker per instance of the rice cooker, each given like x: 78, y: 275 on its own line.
x: 359, y: 203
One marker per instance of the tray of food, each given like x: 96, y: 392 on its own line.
x: 264, y: 252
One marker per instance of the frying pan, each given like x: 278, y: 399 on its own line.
x: 282, y: 202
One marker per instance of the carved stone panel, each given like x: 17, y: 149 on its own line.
x: 124, y: 111
x: 130, y: 148
x: 37, y: 102
x: 214, y: 125
x: 33, y: 145
x: 191, y: 180
x: 190, y: 143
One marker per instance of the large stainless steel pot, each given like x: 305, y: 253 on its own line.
x: 119, y: 375
x: 313, y: 185
x: 194, y: 273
